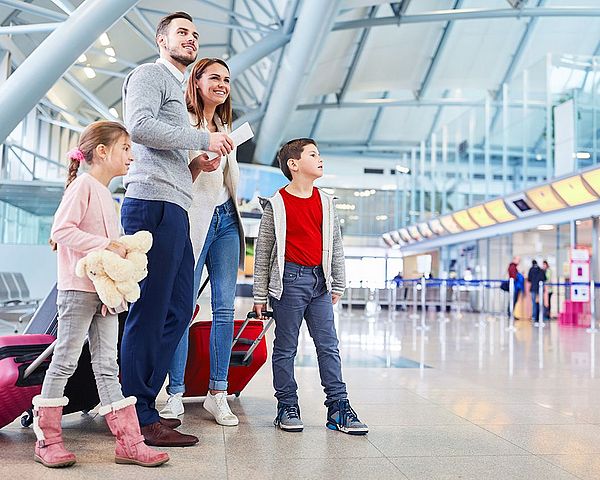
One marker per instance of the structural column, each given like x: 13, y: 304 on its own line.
x: 40, y: 70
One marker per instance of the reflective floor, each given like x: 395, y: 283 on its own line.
x: 462, y: 398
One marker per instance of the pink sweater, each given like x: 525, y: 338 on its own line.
x: 86, y: 220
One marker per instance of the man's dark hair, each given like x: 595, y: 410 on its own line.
x: 292, y: 149
x: 534, y: 262
x: 164, y: 23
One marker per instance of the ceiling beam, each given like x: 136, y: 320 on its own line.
x: 469, y: 14
x: 31, y: 28
x: 34, y: 9
x: 427, y: 102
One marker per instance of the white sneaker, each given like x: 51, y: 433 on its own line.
x: 174, y: 406
x: 218, y: 407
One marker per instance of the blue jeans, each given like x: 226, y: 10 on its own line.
x: 158, y: 319
x: 221, y: 254
x: 535, y: 310
x: 305, y: 295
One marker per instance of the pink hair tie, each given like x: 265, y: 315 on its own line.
x: 76, y: 154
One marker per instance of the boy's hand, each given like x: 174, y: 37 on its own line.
x: 335, y: 297
x: 258, y: 309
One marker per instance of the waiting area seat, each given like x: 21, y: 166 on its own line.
x: 15, y: 298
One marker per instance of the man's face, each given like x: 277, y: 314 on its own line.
x: 180, y: 42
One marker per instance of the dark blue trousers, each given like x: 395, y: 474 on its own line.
x: 305, y: 296
x: 157, y: 321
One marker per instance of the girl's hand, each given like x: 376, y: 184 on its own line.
x: 117, y: 248
x: 335, y: 298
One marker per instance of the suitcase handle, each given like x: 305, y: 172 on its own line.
x: 250, y: 316
x: 39, y: 360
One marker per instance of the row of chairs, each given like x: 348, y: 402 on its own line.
x: 15, y: 297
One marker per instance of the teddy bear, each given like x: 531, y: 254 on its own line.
x: 116, y: 278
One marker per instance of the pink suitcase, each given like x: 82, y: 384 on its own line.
x: 17, y: 352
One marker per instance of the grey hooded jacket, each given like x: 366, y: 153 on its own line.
x: 269, y: 254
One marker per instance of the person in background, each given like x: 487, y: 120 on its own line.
x: 534, y: 277
x: 513, y: 272
x: 548, y: 290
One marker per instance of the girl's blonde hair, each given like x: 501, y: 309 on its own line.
x: 97, y: 133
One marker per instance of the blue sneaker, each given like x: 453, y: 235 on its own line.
x: 288, y: 418
x: 341, y: 417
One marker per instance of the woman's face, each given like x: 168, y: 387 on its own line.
x: 214, y: 84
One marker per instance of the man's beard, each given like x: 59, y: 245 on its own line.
x: 181, y: 58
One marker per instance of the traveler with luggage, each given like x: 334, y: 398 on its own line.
x: 299, y: 264
x: 217, y: 239
x: 85, y: 221
x: 534, y: 277
x: 158, y: 196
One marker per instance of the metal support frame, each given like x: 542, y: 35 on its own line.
x: 234, y: 15
x: 470, y: 14
x: 54, y: 56
x: 437, y: 55
x: 304, y: 45
x: 376, y: 121
x: 34, y: 9
x: 32, y: 28
x: 263, y: 48
x: 429, y: 102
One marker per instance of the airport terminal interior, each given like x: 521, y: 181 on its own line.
x: 461, y: 141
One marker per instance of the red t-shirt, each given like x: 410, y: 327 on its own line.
x: 304, y: 229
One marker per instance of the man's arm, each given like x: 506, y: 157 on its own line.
x: 143, y: 94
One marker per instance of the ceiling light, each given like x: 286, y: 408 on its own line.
x: 82, y: 58
x: 112, y: 59
x: 538, y: 157
x: 113, y: 112
x: 381, y: 218
x: 583, y: 155
x: 89, y: 72
x: 573, y: 191
x: 402, y: 169
x: 465, y: 220
x: 104, y: 40
x: 110, y: 52
x: 498, y: 210
x: 544, y: 198
x: 372, y: 192
x: 545, y: 227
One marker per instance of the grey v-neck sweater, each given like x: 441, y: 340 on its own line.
x: 157, y: 120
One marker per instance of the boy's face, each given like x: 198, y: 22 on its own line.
x: 309, y: 165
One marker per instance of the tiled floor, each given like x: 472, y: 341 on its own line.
x: 473, y: 401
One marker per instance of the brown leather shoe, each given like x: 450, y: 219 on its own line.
x: 158, y: 435
x: 170, y: 422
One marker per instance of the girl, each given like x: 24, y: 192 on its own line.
x: 217, y: 237
x: 86, y: 220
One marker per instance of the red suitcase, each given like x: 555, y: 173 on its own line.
x: 248, y: 355
x: 17, y: 389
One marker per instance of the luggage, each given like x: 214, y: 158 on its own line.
x: 81, y: 388
x: 17, y: 352
x: 248, y: 355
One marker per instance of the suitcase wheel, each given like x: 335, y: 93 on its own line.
x: 237, y: 394
x: 27, y: 419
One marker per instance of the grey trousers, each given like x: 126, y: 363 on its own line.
x: 79, y: 314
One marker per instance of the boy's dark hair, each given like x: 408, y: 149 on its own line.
x: 164, y: 23
x: 292, y: 149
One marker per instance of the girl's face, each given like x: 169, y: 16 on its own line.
x: 119, y: 156
x: 214, y: 84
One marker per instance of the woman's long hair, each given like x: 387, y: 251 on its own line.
x: 194, y: 101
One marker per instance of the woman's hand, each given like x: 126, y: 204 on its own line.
x: 117, y: 248
x: 203, y: 164
x: 258, y: 309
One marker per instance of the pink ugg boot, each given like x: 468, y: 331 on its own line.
x: 122, y: 420
x: 49, y: 448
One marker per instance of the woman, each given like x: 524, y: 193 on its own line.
x: 217, y: 238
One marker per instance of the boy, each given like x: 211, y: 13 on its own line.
x: 299, y: 263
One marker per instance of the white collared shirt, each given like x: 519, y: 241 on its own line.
x: 173, y: 69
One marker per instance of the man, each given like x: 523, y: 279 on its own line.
x: 159, y: 193
x: 548, y: 300
x: 535, y: 276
